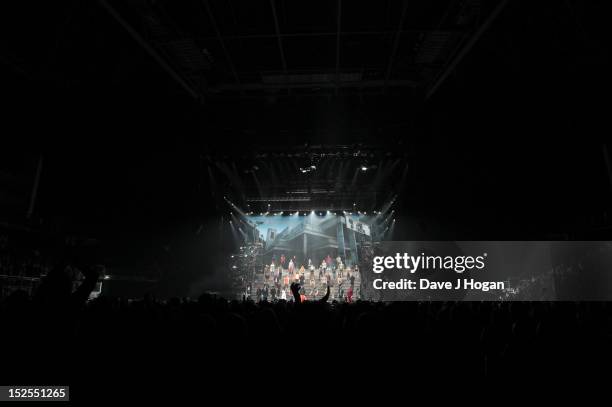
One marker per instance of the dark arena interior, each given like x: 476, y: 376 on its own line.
x: 199, y: 187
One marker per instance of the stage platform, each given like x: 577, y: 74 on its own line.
x: 313, y: 291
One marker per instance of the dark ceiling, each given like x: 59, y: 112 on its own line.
x: 258, y: 48
x: 494, y: 106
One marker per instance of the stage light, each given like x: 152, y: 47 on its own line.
x: 364, y: 168
x: 308, y: 169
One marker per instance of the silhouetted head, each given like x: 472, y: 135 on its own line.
x: 57, y: 285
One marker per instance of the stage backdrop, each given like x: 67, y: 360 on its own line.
x: 311, y: 237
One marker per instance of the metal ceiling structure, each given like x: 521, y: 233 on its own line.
x: 267, y: 47
x: 311, y: 177
x: 468, y: 88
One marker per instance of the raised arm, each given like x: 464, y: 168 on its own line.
x: 295, y: 290
x: 81, y: 294
x: 326, y: 297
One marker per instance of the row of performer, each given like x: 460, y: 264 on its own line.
x: 279, y: 276
x: 290, y: 264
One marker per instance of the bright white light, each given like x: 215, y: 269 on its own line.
x: 364, y: 168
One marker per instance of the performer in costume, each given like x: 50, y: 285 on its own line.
x: 349, y: 294
x: 291, y: 267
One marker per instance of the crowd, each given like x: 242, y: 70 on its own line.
x: 56, y: 333
x: 479, y: 338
